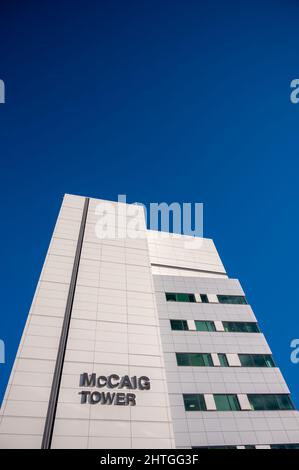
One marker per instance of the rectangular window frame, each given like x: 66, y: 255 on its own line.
x: 223, y: 360
x: 232, y: 299
x: 180, y: 297
x: 183, y: 323
x: 230, y: 402
x: 194, y: 359
x: 207, y: 325
x: 270, y: 402
x: 240, y: 327
x: 196, y: 399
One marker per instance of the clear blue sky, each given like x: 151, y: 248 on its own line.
x: 162, y: 101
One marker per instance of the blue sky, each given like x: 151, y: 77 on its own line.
x: 162, y: 101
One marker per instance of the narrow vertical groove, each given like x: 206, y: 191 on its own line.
x: 51, y: 412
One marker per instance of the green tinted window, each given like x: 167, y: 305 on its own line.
x: 221, y: 402
x: 205, y: 325
x: 284, y: 402
x: 234, y: 402
x: 232, y: 299
x: 269, y: 360
x: 252, y: 327
x: 207, y: 359
x: 256, y: 402
x: 182, y: 359
x: 223, y: 360
x: 174, y: 297
x: 185, y: 298
x: 194, y: 402
x: 256, y: 360
x: 227, y: 402
x: 170, y: 297
x: 179, y: 324
x: 197, y: 360
x: 246, y: 360
x: 194, y: 359
x: 228, y: 326
x: 240, y: 327
x: 270, y: 402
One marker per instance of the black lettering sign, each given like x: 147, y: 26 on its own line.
x: 87, y: 380
x: 113, y: 381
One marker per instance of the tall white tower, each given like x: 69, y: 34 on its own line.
x: 140, y: 342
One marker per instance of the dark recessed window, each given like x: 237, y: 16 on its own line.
x: 270, y: 402
x: 227, y: 402
x: 223, y: 360
x: 201, y: 359
x: 194, y: 359
x: 232, y: 299
x: 182, y: 359
x: 179, y: 324
x: 256, y: 360
x: 205, y: 325
x: 204, y: 298
x: 175, y: 297
x: 284, y: 446
x: 215, y: 447
x: 194, y: 402
x: 170, y: 297
x: 240, y: 327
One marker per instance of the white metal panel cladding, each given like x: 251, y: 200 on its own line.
x: 211, y: 427
x: 114, y: 308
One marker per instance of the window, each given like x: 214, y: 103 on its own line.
x: 229, y: 447
x: 194, y: 359
x: 185, y: 298
x: 227, y: 402
x: 182, y: 359
x: 240, y: 327
x: 232, y: 299
x: 201, y: 360
x: 215, y: 447
x: 194, y: 402
x: 270, y: 402
x: 223, y: 360
x: 173, y: 297
x: 284, y: 446
x: 256, y: 360
x: 205, y: 325
x: 170, y: 297
x: 179, y: 324
x: 222, y: 299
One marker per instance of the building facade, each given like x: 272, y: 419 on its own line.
x: 140, y: 341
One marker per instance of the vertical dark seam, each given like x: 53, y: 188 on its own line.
x: 52, y: 405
